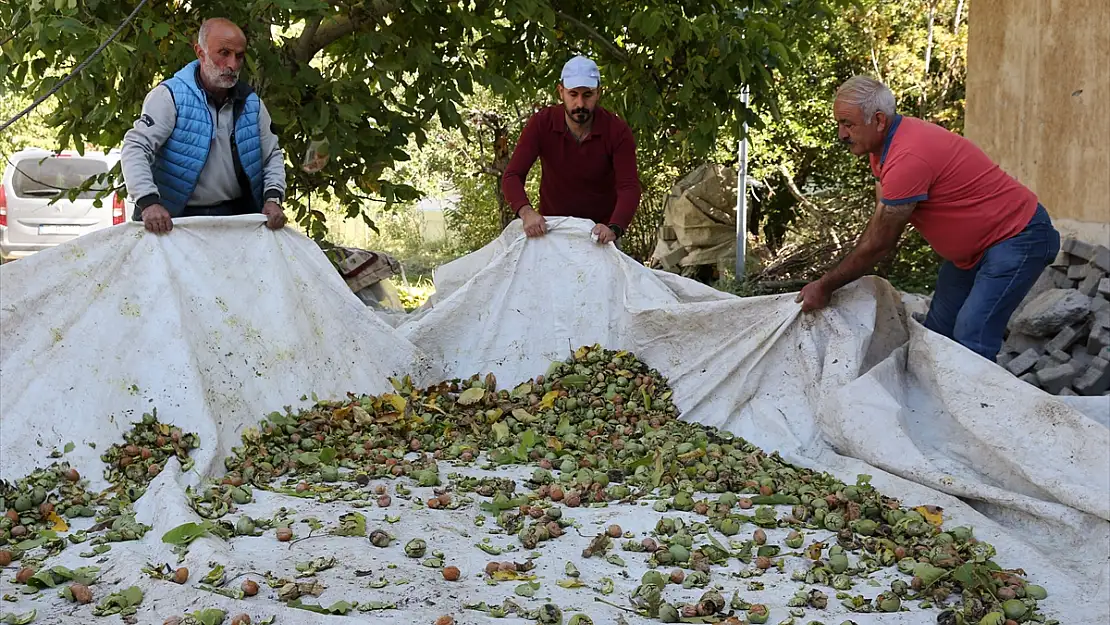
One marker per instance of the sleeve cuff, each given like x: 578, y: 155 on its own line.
x: 905, y: 200
x: 273, y: 194
x: 147, y: 200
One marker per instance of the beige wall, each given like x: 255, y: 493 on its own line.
x: 1038, y: 101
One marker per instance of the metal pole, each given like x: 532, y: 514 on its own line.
x: 742, y: 194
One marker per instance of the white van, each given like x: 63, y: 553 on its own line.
x: 30, y: 223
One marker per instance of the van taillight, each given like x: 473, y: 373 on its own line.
x: 117, y: 209
x: 3, y: 207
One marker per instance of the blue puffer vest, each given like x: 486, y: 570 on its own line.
x: 178, y: 164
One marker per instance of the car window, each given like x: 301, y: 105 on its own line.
x: 45, y: 177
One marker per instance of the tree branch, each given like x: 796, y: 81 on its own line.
x: 326, y: 33
x: 613, y: 49
x: 794, y: 190
x: 304, y: 49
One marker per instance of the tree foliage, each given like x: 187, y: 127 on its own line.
x: 812, y: 188
x: 371, y: 75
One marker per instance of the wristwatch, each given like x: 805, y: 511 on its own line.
x: 617, y: 230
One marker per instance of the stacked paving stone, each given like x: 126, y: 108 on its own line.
x: 1059, y: 338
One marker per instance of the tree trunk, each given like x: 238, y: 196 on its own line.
x: 928, y: 57
x: 956, y: 20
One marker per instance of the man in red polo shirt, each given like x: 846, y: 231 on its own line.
x: 588, y: 160
x: 994, y: 237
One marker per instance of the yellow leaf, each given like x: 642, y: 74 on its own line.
x: 548, y: 400
x: 343, y: 412
x: 493, y: 415
x: 933, y: 514
x: 59, y: 523
x: 621, y: 354
x: 523, y: 415
x: 396, y: 401
x: 581, y: 352
x: 431, y: 406
x: 555, y: 444
x: 510, y: 576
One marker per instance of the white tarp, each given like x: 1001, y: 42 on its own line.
x: 223, y: 321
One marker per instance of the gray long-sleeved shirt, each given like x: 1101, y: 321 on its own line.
x: 217, y: 182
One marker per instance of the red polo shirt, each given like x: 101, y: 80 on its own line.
x: 965, y: 202
x: 595, y: 179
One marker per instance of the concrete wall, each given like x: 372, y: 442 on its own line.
x: 1038, y: 102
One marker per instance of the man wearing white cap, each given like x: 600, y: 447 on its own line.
x: 588, y: 160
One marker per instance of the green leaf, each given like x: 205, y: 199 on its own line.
x: 527, y: 589
x: 186, y: 533
x: 69, y: 447
x: 472, y: 396
x: 327, y: 455
x: 160, y: 30
x: 352, y: 524
x: 575, y: 380
x: 11, y: 618
x: 500, y: 431
x: 309, y: 458
x: 133, y: 595
x: 215, y: 576
x: 210, y: 616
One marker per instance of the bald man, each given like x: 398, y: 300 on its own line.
x: 204, y: 144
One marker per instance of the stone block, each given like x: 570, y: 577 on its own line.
x: 1098, y: 340
x: 1045, y: 362
x: 1101, y: 318
x: 1080, y: 356
x: 1095, y: 380
x: 1104, y: 287
x: 1024, y: 362
x: 1030, y: 378
x: 1059, y: 278
x: 1018, y: 342
x: 1077, y: 272
x: 1101, y: 258
x: 1067, y: 337
x: 1075, y: 247
x: 1054, y: 379
x: 1099, y: 304
x: 1066, y: 391
x: 1089, y: 285
x: 1059, y: 356
x: 1063, y: 259
x: 1051, y: 312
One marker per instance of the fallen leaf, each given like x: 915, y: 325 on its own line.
x: 472, y: 396
x: 933, y: 514
x: 59, y: 523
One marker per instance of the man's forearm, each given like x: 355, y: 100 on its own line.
x: 273, y: 169
x: 136, y: 163
x: 857, y: 264
x: 880, y: 239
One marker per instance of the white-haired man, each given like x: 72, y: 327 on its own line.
x: 588, y: 158
x: 993, y: 234
x: 204, y: 144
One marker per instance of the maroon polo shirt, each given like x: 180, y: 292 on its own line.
x: 595, y: 179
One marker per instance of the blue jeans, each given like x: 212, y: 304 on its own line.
x: 973, y: 306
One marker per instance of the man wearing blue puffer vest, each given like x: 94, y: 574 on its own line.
x: 204, y: 145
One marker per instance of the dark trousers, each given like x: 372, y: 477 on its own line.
x: 973, y: 306
x: 238, y: 206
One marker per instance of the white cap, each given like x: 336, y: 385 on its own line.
x: 581, y: 72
